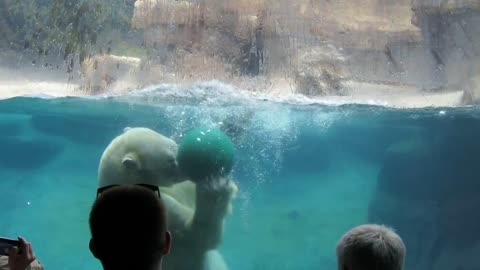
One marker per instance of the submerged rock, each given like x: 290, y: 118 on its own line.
x: 85, y: 129
x: 402, y: 175
x: 415, y: 220
x: 429, y: 192
x: 10, y: 129
x: 26, y: 153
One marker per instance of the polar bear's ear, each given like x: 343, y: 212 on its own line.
x: 131, y: 162
x: 126, y: 129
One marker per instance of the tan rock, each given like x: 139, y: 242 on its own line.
x: 472, y: 92
x: 148, y: 13
x: 245, y: 7
x: 319, y: 72
x: 102, y: 72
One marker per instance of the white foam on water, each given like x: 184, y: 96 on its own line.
x: 217, y: 93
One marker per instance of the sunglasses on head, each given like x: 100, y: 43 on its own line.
x: 151, y: 187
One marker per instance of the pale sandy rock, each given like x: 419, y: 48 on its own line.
x: 155, y: 37
x: 246, y: 26
x: 472, y: 91
x: 319, y: 72
x: 102, y: 72
x: 400, y: 96
x: 244, y: 7
x: 197, y: 66
x: 212, y: 28
x: 148, y: 13
x: 283, y: 24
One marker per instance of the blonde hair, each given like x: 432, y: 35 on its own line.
x: 371, y: 247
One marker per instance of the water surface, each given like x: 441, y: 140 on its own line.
x: 306, y: 173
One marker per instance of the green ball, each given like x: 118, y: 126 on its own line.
x: 205, y: 152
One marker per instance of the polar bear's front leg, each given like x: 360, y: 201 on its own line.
x: 213, y: 203
x: 214, y: 261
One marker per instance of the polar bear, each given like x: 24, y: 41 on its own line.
x: 196, y: 211
x: 139, y: 155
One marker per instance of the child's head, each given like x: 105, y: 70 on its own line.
x: 370, y: 247
x: 128, y: 224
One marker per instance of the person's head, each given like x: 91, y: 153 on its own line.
x: 128, y: 224
x: 370, y: 247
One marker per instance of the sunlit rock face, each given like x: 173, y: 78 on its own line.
x: 229, y: 30
x: 472, y: 89
x: 101, y: 72
x: 308, y: 47
x: 283, y: 39
x: 319, y: 72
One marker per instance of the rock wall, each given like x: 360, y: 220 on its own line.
x: 226, y: 29
x: 444, y: 6
x: 402, y: 62
x: 273, y: 38
x: 286, y: 39
x: 5, y: 30
x: 451, y: 30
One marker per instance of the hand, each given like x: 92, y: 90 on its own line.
x: 21, y: 261
x: 216, y: 193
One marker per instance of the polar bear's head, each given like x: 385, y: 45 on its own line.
x: 140, y: 156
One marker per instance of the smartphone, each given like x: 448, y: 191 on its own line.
x: 6, y: 245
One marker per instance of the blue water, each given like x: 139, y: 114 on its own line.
x: 306, y: 173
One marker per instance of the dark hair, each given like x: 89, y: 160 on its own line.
x: 128, y: 224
